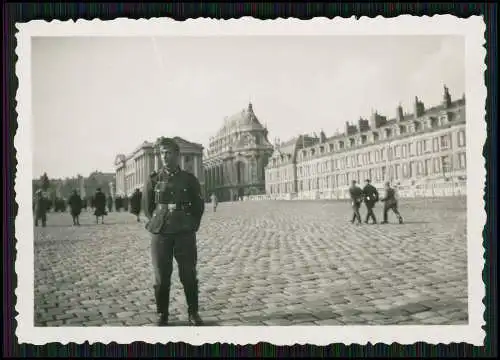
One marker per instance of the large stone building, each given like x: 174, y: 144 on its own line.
x: 134, y: 169
x: 422, y: 154
x: 236, y: 157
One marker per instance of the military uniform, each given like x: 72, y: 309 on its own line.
x: 356, y: 197
x: 391, y: 203
x: 173, y: 204
x: 371, y: 197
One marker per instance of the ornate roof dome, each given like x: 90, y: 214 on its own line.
x: 244, y: 119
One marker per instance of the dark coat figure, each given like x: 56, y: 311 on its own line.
x: 371, y: 197
x: 125, y: 203
x: 135, y: 203
x: 75, y: 206
x: 356, y: 199
x: 390, y: 203
x: 41, y: 208
x: 110, y: 203
x: 99, y: 201
x: 174, y: 206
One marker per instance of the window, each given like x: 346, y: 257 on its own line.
x: 411, y: 149
x: 397, y: 151
x: 445, y: 141
x: 402, y: 129
x: 419, y: 147
x: 427, y: 145
x: 435, y: 144
x: 397, y: 168
x: 375, y: 136
x: 330, y: 147
x: 461, y: 138
x: 437, y: 167
x: 428, y: 167
x: 462, y: 161
x: 358, y: 160
x: 445, y: 164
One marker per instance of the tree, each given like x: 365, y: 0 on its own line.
x: 45, y: 183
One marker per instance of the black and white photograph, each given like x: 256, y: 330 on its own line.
x: 241, y: 181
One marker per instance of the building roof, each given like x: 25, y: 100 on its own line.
x: 245, y: 118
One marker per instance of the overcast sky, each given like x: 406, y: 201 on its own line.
x: 94, y: 98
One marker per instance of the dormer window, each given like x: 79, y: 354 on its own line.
x: 341, y: 144
x: 388, y: 133
x: 312, y: 152
x: 434, y: 122
x: 364, y: 139
x: 418, y: 126
x: 375, y: 136
x: 321, y: 149
x: 352, y: 142
x: 402, y: 129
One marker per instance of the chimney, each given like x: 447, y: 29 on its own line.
x: 399, y: 113
x: 363, y: 125
x: 418, y: 108
x: 446, y: 97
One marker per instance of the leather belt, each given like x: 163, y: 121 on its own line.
x: 169, y: 207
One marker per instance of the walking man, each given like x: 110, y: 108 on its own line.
x: 75, y: 206
x: 371, y: 197
x: 357, y: 198
x: 390, y: 203
x: 100, y: 206
x: 135, y: 204
x: 174, y: 206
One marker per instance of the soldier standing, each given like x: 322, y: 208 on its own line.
x: 174, y: 207
x: 357, y: 198
x: 390, y: 203
x: 41, y: 207
x: 371, y: 197
x: 75, y: 205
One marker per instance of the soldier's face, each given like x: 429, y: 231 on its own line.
x: 169, y: 158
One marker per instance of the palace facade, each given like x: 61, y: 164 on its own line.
x: 236, y: 157
x: 134, y: 169
x: 422, y: 154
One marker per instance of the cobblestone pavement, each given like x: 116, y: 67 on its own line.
x: 264, y: 263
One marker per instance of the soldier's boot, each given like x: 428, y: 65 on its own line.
x: 191, y: 293
x: 162, y: 310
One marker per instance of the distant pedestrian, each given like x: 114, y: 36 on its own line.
x: 135, y: 204
x: 75, y: 205
x: 390, y: 203
x: 41, y: 208
x: 213, y: 198
x: 370, y: 193
x: 99, y: 201
x: 356, y: 199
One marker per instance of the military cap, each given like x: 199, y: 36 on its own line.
x: 168, y: 143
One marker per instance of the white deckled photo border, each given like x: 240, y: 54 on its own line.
x: 472, y: 29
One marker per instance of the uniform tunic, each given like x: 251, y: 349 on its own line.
x: 174, y: 206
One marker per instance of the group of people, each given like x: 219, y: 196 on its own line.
x: 370, y: 196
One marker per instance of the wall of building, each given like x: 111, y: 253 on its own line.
x: 421, y: 156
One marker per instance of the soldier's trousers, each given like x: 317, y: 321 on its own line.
x: 394, y: 208
x: 182, y: 247
x: 355, y: 211
x: 42, y: 218
x: 370, y: 214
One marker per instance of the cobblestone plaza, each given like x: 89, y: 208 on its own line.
x: 264, y: 263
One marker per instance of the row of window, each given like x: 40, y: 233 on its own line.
x: 322, y: 149
x: 421, y: 147
x: 436, y: 166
